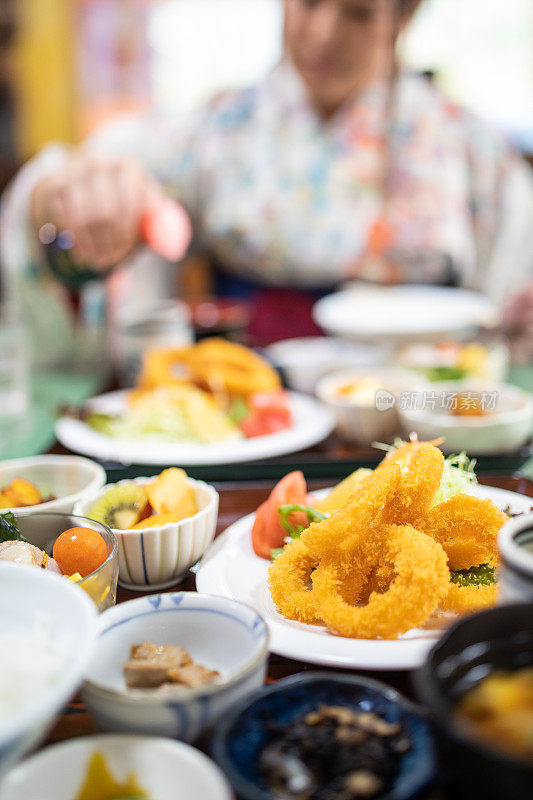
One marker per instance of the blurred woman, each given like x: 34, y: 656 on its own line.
x: 339, y: 165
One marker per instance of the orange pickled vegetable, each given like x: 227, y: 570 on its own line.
x: 80, y: 550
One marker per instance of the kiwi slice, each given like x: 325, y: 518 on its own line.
x: 121, y: 507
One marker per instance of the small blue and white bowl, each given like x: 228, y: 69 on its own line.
x: 218, y: 633
x: 159, y: 557
x: 239, y: 738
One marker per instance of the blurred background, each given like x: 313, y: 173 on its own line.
x: 67, y: 65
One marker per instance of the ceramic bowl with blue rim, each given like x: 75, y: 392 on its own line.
x: 241, y: 735
x: 218, y: 633
x: 159, y: 557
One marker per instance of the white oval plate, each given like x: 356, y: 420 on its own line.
x: 312, y: 423
x: 230, y: 568
x: 402, y: 312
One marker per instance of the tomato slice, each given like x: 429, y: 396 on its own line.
x: 267, y: 531
x: 269, y: 412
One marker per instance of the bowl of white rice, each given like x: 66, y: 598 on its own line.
x: 48, y: 629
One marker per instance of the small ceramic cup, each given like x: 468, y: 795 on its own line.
x: 515, y: 543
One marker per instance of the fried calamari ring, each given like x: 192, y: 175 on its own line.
x: 288, y: 578
x: 239, y: 370
x: 421, y: 474
x: 467, y: 599
x: 467, y: 528
x: 359, y: 517
x: 214, y: 364
x: 378, y: 580
x: 421, y: 581
x: 165, y: 368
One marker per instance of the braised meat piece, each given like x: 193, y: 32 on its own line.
x: 151, y: 666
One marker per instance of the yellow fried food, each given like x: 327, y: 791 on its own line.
x: 467, y: 599
x: 421, y: 581
x: 359, y: 516
x: 467, y: 528
x: 214, y: 364
x: 217, y: 362
x: 421, y: 466
x: 288, y: 578
x: 168, y: 367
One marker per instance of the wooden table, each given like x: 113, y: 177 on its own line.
x: 236, y: 500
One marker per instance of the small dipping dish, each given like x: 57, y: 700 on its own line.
x: 218, y: 633
x: 42, y: 529
x: 515, y: 543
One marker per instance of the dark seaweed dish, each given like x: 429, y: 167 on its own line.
x: 334, y: 753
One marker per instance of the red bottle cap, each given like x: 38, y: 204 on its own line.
x: 166, y: 228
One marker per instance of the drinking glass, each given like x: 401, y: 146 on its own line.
x: 14, y: 379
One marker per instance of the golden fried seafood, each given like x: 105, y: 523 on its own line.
x: 404, y: 454
x: 288, y: 577
x: 237, y: 368
x: 167, y: 367
x: 380, y: 565
x: 421, y: 466
x: 421, y: 580
x: 358, y: 517
x: 467, y: 528
x: 467, y: 599
x: 214, y: 364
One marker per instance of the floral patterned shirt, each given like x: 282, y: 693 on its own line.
x: 281, y: 197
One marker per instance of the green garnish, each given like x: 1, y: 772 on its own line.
x: 9, y: 530
x: 238, y: 411
x: 294, y: 531
x: 286, y: 511
x: 435, y: 374
x: 475, y: 576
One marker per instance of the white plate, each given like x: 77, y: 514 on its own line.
x: 403, y: 313
x: 230, y: 568
x: 312, y: 423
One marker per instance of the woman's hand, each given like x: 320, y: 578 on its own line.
x: 100, y: 201
x: 517, y: 324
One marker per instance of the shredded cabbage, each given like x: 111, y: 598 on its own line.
x: 458, y: 477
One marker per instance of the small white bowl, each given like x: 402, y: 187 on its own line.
x: 504, y: 430
x: 36, y: 600
x: 160, y: 557
x: 218, y: 633
x: 515, y: 543
x: 424, y: 357
x: 304, y: 361
x: 166, y: 770
x: 364, y: 423
x: 69, y: 478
